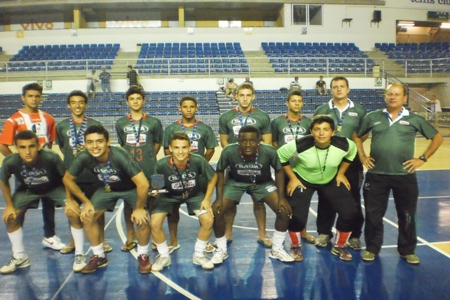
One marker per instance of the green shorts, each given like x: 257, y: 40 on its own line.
x: 88, y: 189
x: 234, y: 190
x: 165, y: 203
x: 22, y: 198
x: 107, y: 200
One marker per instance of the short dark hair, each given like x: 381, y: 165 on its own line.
x: 134, y: 89
x: 130, y: 66
x: 97, y: 129
x: 25, y: 135
x: 294, y: 93
x: 77, y: 93
x: 31, y: 87
x: 246, y: 86
x: 188, y: 98
x: 249, y: 128
x: 319, y: 119
x: 179, y: 135
x: 338, y: 78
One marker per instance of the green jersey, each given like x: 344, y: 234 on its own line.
x: 149, y: 130
x: 70, y: 138
x: 44, y: 176
x: 122, y: 167
x: 201, y: 136
x: 196, y: 166
x: 393, y: 142
x: 315, y: 165
x: 257, y: 169
x: 231, y: 122
x: 345, y: 122
x: 285, y: 130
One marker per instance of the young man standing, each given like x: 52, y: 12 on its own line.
x: 41, y: 123
x: 132, y: 76
x: 140, y: 135
x: 391, y: 166
x: 38, y: 172
x: 70, y: 139
x: 322, y: 160
x: 291, y: 126
x: 347, y: 117
x: 91, y: 83
x: 105, y: 80
x: 229, y: 125
x: 250, y: 162
x: 321, y: 86
x: 122, y: 179
x: 203, y: 142
x: 182, y: 171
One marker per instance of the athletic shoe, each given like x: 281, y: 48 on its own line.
x: 53, y: 243
x: 173, y: 248
x: 107, y: 248
x: 144, y: 264
x: 95, y: 263
x: 202, y: 261
x: 296, y: 253
x: 281, y: 254
x: 14, y: 264
x: 342, y: 253
x: 308, y: 238
x: 160, y: 263
x: 209, y: 248
x: 354, y: 243
x: 67, y: 249
x: 219, y: 256
x: 266, y: 242
x: 368, y: 256
x: 411, y: 259
x: 323, y: 240
x: 79, y: 262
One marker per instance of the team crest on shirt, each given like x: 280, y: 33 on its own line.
x: 250, y: 121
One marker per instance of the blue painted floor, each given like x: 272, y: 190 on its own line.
x: 248, y: 273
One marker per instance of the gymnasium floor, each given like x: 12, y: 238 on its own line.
x: 248, y: 273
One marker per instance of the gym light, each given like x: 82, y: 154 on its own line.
x: 406, y: 23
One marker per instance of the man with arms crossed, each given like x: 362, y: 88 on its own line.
x: 229, y: 125
x: 122, y: 179
x: 391, y: 166
x: 31, y: 118
x: 182, y: 171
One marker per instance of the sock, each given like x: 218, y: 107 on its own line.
x: 142, y: 249
x: 98, y: 250
x: 163, y: 249
x: 200, y: 247
x: 342, y: 238
x: 78, y: 238
x: 296, y: 240
x: 16, y: 239
x: 222, y: 243
x: 278, y: 239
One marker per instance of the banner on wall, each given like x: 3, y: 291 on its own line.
x: 38, y: 26
x: 439, y: 5
x: 133, y: 24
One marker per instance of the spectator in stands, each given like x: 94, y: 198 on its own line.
x: 133, y: 77
x: 247, y: 80
x: 31, y: 118
x: 295, y: 85
x: 321, y: 86
x: 435, y: 107
x: 105, y: 78
x: 92, y: 81
x: 231, y: 87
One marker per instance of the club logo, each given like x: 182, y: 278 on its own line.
x: 250, y: 121
x: 129, y: 129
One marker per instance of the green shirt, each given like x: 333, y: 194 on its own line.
x: 201, y: 140
x: 66, y: 144
x: 350, y: 118
x: 393, y: 144
x: 317, y: 166
x: 282, y: 133
x: 123, y: 168
x: 44, y: 176
x: 230, y: 123
x: 244, y: 171
x: 151, y: 133
x: 196, y: 167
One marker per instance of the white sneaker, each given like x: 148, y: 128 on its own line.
x: 160, y: 263
x: 281, y: 254
x: 79, y: 262
x: 202, y: 261
x: 219, y: 256
x: 53, y: 243
x: 14, y: 264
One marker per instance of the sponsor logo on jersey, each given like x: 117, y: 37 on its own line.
x: 353, y: 114
x: 249, y: 166
x: 188, y: 176
x: 20, y: 121
x: 129, y: 129
x: 376, y: 123
x: 271, y: 188
x: 194, y: 136
x: 403, y: 122
x: 33, y: 173
x: 250, y: 121
x: 301, y: 130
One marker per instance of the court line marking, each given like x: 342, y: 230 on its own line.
x: 72, y: 272
x: 160, y: 276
